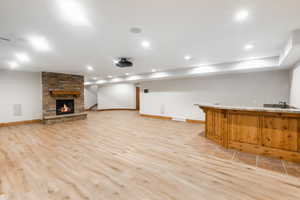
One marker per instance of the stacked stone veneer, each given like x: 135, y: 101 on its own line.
x: 62, y: 82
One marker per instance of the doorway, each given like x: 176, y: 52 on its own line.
x: 137, y: 97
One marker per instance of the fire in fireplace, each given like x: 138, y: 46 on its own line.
x: 65, y: 106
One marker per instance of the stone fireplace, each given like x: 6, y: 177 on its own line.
x: 63, y: 97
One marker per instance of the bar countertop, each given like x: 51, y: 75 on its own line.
x: 248, y: 108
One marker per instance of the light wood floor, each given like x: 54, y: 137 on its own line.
x: 119, y: 155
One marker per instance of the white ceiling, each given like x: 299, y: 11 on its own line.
x: 204, y: 29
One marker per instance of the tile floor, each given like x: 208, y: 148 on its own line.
x: 285, y: 167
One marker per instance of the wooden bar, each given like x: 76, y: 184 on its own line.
x: 269, y: 132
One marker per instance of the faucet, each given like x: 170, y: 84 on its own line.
x: 283, y: 104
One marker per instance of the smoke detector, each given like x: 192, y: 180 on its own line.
x: 135, y: 30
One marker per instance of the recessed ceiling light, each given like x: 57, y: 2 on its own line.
x: 249, y: 47
x: 241, y: 15
x: 39, y: 43
x: 90, y: 68
x: 146, y: 44
x: 109, y: 76
x: 154, y: 70
x: 73, y: 12
x: 13, y: 64
x: 187, y: 57
x: 22, y: 57
x: 95, y: 78
x: 127, y: 74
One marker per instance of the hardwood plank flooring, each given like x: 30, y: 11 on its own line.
x: 120, y: 155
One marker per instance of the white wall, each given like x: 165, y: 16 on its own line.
x: 295, y: 86
x: 175, y: 98
x: 119, y: 95
x: 24, y: 88
x: 90, y: 95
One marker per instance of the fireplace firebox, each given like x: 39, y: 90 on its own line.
x: 65, y: 106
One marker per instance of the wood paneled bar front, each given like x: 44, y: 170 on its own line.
x: 265, y: 131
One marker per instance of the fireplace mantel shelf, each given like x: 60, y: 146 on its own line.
x: 64, y: 116
x: 63, y: 92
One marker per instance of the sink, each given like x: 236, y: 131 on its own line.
x: 282, y: 106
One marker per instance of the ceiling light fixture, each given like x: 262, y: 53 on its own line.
x: 109, y: 76
x: 127, y: 74
x: 73, y: 12
x: 146, y: 44
x: 39, y: 43
x: 154, y: 70
x: 249, y: 47
x: 13, y: 64
x: 22, y: 57
x: 90, y: 68
x: 187, y: 57
x: 95, y: 78
x: 241, y: 15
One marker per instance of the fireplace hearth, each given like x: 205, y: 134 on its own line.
x: 64, y: 106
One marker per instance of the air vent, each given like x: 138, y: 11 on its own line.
x: 17, y: 108
x: 3, y: 39
x: 12, y: 40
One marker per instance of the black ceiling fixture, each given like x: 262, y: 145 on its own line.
x: 124, y: 62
